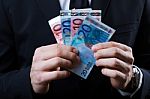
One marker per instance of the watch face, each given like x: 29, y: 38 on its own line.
x: 135, y: 78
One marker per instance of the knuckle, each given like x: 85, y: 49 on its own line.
x: 73, y: 56
x: 115, y: 62
x: 112, y: 43
x: 36, y: 78
x: 34, y: 59
x: 59, y: 52
x: 40, y: 79
x: 58, y: 61
x: 40, y: 49
x: 34, y: 67
x: 37, y: 57
x: 131, y: 60
x: 129, y: 48
x: 38, y: 53
x: 69, y: 48
x: 115, y: 74
x: 115, y: 51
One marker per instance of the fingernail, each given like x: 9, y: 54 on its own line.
x: 103, y: 71
x: 93, y: 48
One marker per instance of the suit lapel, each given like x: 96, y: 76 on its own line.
x: 49, y: 8
x: 102, y: 5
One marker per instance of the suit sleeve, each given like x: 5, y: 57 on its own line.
x: 14, y: 80
x: 142, y: 52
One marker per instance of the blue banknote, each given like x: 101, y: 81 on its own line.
x: 66, y: 26
x: 87, y: 60
x: 90, y: 32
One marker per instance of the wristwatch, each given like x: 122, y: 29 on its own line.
x: 135, y: 80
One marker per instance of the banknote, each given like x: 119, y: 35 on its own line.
x: 55, y: 25
x: 79, y: 15
x: 66, y: 26
x: 87, y: 60
x: 96, y: 14
x: 93, y: 31
x: 90, y: 32
x: 83, y: 9
x: 99, y: 25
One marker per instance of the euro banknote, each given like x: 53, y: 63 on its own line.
x: 66, y: 26
x: 93, y: 31
x: 90, y: 32
x: 79, y: 15
x: 55, y: 25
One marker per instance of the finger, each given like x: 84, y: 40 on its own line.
x: 113, y: 63
x: 114, y: 52
x: 67, y: 48
x: 51, y: 51
x: 54, y: 75
x: 113, y: 73
x: 118, y: 79
x: 54, y: 47
x: 68, y: 55
x: 53, y: 64
x: 110, y: 44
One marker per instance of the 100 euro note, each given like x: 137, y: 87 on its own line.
x: 55, y: 25
x: 66, y: 26
x: 90, y: 32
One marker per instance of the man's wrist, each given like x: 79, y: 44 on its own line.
x: 135, y: 80
x: 134, y: 84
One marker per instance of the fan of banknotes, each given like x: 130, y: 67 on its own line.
x: 81, y: 28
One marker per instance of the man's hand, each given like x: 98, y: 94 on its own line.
x: 46, y: 64
x: 116, y: 61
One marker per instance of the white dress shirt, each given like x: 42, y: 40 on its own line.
x: 65, y: 4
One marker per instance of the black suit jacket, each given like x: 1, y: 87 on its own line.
x: 24, y: 27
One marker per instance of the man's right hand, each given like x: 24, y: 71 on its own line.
x: 46, y: 64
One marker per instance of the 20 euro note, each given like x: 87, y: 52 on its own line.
x: 87, y: 60
x: 94, y: 31
x: 86, y: 57
x: 66, y: 26
x: 90, y: 32
x: 55, y: 25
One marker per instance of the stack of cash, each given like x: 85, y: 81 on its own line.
x: 81, y: 28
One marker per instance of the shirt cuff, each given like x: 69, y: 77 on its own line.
x: 139, y: 86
